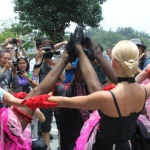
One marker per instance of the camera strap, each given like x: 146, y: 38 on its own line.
x: 7, y: 84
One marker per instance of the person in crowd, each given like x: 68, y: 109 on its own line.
x: 117, y: 114
x: 108, y: 54
x: 9, y: 44
x: 38, y: 47
x: 5, y: 72
x: 144, y: 58
x: 23, y: 80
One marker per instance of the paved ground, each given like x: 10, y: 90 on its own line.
x: 54, y: 142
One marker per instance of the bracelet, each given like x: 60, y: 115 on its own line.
x: 22, y: 114
x: 37, y: 65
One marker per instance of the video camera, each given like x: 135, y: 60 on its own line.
x: 49, y: 53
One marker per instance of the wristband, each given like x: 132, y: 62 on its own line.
x: 37, y: 66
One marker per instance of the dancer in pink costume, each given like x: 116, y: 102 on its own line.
x: 13, y: 134
x: 144, y: 79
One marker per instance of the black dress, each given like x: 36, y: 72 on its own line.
x: 116, y: 133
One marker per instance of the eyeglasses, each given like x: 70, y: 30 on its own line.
x: 20, y: 57
x: 10, y: 48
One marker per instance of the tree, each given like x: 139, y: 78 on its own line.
x: 52, y: 16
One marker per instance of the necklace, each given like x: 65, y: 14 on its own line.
x: 126, y: 79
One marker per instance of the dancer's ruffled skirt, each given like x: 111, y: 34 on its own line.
x: 12, y: 136
x: 87, y: 136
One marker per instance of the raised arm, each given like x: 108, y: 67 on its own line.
x: 89, y: 102
x: 87, y: 70
x: 105, y: 64
x: 50, y: 80
x: 144, y: 74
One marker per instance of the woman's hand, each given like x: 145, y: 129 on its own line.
x: 25, y: 74
x: 39, y: 102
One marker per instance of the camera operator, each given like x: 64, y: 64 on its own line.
x: 44, y: 64
x: 5, y: 70
x: 10, y: 43
x: 23, y: 80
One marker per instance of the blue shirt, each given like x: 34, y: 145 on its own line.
x: 70, y: 73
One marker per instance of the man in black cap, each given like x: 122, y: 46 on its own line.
x: 144, y: 59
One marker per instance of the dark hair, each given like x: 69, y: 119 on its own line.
x: 48, y: 43
x: 44, y: 42
x: 39, y: 41
x: 25, y: 59
x: 4, y: 50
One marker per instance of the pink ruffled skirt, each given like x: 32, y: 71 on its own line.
x: 12, y: 136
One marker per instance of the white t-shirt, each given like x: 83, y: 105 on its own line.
x: 2, y: 92
x: 32, y: 63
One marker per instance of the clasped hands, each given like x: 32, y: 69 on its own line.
x: 40, y: 101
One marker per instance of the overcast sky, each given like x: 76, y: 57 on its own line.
x: 116, y: 13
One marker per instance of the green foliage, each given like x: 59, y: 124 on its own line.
x: 5, y: 34
x: 20, y: 28
x: 52, y: 16
x: 110, y: 38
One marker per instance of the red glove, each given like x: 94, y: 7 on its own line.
x: 108, y: 87
x: 20, y: 95
x: 39, y: 102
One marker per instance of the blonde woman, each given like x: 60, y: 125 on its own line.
x: 118, y: 108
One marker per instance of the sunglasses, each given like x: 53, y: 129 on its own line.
x: 20, y: 57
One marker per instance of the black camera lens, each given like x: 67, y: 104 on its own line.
x: 48, y: 55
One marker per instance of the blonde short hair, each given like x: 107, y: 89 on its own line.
x: 127, y: 54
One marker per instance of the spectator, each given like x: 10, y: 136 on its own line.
x: 23, y: 80
x: 108, y: 54
x: 5, y: 72
x: 144, y: 59
x: 10, y: 43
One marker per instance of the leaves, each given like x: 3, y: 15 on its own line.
x: 52, y: 17
x: 110, y: 38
